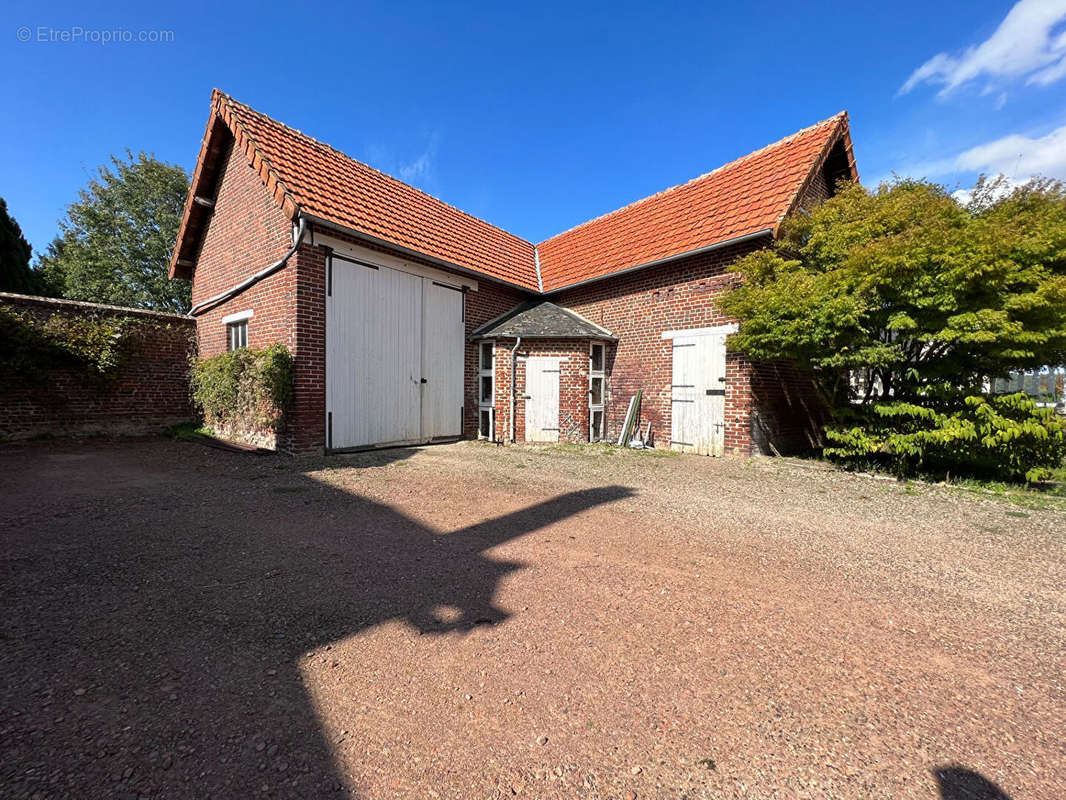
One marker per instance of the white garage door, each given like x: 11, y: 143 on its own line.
x: 394, y: 356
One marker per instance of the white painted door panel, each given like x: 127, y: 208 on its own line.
x: 373, y: 355
x: 698, y: 394
x: 542, y: 399
x: 442, y: 360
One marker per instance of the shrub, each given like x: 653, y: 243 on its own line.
x: 1006, y: 436
x: 246, y: 389
x: 886, y: 296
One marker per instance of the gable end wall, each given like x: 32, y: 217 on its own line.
x: 247, y: 232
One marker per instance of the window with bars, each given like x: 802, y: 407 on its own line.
x: 597, y: 387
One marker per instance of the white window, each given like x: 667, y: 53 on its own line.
x: 237, y: 334
x: 597, y: 389
x: 486, y: 389
x: 237, y: 329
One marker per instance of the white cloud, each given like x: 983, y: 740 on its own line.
x: 418, y: 169
x: 1025, y: 45
x: 1017, y: 157
x: 1000, y: 189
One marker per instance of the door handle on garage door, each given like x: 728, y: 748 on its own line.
x: 423, y: 381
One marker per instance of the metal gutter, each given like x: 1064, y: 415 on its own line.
x: 514, y: 384
x: 355, y: 234
x: 709, y: 248
x: 277, y: 266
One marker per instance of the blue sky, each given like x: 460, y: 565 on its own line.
x: 537, y: 116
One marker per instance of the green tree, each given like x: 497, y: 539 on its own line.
x: 15, y: 272
x: 904, y: 303
x: 114, y: 244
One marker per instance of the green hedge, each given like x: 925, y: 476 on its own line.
x: 247, y: 389
x: 1001, y: 436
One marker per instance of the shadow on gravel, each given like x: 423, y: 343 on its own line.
x: 959, y: 783
x: 156, y: 599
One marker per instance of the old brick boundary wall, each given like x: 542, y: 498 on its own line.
x: 149, y: 391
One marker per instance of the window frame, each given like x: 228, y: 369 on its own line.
x: 236, y: 334
x: 234, y: 323
x: 489, y: 405
x: 601, y: 375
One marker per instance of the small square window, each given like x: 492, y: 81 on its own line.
x: 486, y: 390
x: 237, y: 335
x: 486, y: 355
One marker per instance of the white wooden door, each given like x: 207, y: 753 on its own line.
x: 373, y: 355
x: 443, y: 351
x: 542, y: 399
x: 697, y: 407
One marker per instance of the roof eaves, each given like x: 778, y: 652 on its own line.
x: 195, y: 186
x: 492, y: 323
x: 667, y: 259
x: 359, y: 234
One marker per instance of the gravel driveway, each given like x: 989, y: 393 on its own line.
x: 467, y: 621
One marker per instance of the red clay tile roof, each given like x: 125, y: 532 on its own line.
x: 743, y: 197
x: 305, y: 176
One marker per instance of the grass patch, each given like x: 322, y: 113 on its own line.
x: 188, y: 432
x: 1049, y: 495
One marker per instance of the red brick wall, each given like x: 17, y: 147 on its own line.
x: 309, y: 413
x: 246, y: 233
x: 765, y: 403
x: 149, y: 392
x: 637, y: 308
x: 573, y: 386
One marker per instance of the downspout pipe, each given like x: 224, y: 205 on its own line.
x: 514, y: 381
x: 277, y: 266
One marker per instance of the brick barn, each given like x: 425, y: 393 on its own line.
x: 412, y: 321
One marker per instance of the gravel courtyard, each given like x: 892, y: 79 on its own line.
x: 466, y: 621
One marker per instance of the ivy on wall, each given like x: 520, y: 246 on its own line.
x: 244, y: 390
x: 31, y: 345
